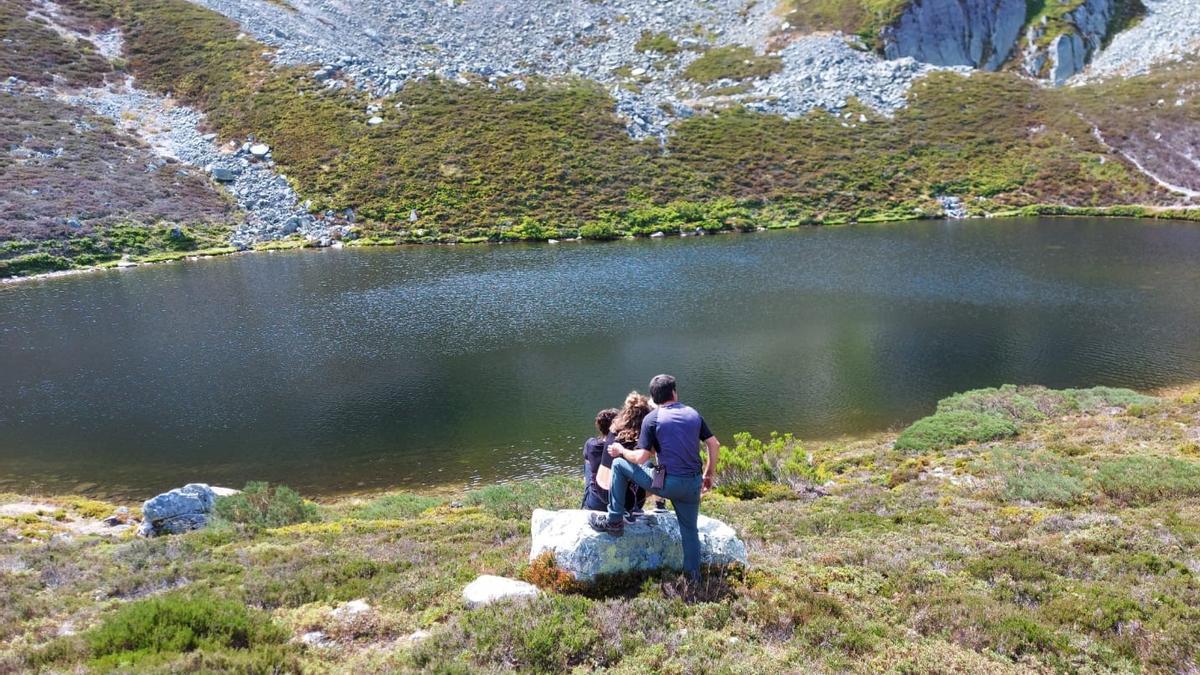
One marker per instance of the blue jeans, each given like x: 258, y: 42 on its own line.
x: 684, y: 493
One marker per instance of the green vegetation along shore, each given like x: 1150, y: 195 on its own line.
x: 1014, y: 530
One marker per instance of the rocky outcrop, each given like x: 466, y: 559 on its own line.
x: 1167, y: 31
x: 977, y: 33
x: 1080, y: 34
x: 177, y: 511
x: 650, y: 543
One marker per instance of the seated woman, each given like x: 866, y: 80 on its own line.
x: 594, y: 449
x: 625, y: 430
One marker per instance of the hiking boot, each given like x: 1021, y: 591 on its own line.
x: 600, y: 523
x: 633, y: 515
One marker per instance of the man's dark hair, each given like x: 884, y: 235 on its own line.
x: 662, y: 388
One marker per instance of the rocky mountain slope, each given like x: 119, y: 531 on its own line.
x: 378, y: 122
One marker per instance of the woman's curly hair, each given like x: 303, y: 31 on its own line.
x: 628, y: 423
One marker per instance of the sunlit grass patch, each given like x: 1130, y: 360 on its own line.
x: 731, y: 63
x: 159, y: 630
x: 944, y: 430
x: 1143, y: 480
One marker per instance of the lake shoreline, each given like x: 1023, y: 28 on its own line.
x: 1091, y: 502
x: 1147, y: 213
x: 452, y: 487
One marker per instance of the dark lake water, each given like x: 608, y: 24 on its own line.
x: 345, y: 370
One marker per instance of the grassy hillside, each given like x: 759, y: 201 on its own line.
x: 1015, y: 530
x: 474, y: 161
x: 74, y: 189
x: 553, y: 160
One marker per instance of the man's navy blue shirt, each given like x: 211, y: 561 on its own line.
x: 674, y: 431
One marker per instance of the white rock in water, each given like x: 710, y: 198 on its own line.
x: 650, y: 543
x: 260, y: 149
x: 488, y: 589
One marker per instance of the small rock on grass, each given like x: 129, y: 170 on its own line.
x: 488, y: 589
x: 351, y: 608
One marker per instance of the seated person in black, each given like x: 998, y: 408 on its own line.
x: 594, y: 449
x: 625, y: 429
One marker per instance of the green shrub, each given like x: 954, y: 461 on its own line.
x: 388, y: 507
x: 1037, y: 403
x: 731, y: 63
x: 656, y: 42
x: 180, y: 623
x: 1040, y: 478
x: 515, y: 501
x: 1043, y: 485
x: 779, y: 459
x: 1015, y: 564
x: 1143, y: 480
x: 1099, y: 609
x: 259, y: 505
x: 981, y: 623
x: 552, y: 633
x: 529, y: 229
x: 34, y: 263
x: 1095, y: 398
x: 944, y: 430
x: 1018, y: 634
x: 1020, y: 404
x: 600, y: 230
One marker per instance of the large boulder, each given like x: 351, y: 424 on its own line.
x: 177, y: 511
x: 650, y: 543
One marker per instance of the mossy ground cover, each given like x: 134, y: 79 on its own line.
x: 731, y: 63
x: 864, y: 18
x: 1070, y: 546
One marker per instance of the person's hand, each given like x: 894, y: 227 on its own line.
x: 615, y: 450
x: 709, y: 481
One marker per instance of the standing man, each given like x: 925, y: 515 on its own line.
x: 673, y: 432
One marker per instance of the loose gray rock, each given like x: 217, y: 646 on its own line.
x: 177, y: 511
x: 650, y: 543
x: 488, y: 589
x: 222, y: 174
